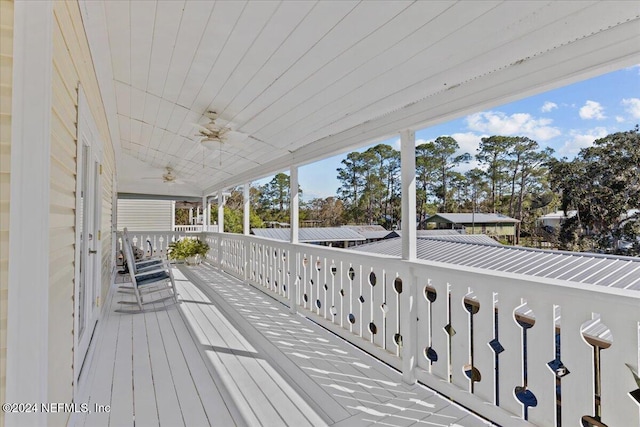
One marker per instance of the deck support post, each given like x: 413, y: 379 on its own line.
x: 294, y: 224
x: 220, y: 226
x: 408, y: 301
x: 408, y: 178
x: 205, y: 211
x: 293, y: 191
x: 173, y: 216
x: 246, y: 228
x: 246, y: 198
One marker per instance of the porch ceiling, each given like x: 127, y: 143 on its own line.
x: 305, y: 79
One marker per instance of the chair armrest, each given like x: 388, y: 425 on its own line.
x: 157, y: 270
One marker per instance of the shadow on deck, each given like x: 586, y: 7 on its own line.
x: 229, y: 354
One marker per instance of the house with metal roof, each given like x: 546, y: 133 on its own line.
x: 475, y: 223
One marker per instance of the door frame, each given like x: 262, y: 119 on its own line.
x: 87, y: 135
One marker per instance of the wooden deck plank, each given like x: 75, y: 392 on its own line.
x: 278, y: 397
x: 235, y: 385
x: 312, y: 394
x: 122, y: 391
x: 222, y: 410
x: 190, y: 404
x: 144, y: 397
x: 100, y: 369
x: 169, y: 411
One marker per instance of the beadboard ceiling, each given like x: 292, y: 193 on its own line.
x: 304, y: 80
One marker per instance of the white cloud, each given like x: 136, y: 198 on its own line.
x: 581, y: 140
x: 634, y: 67
x: 632, y: 106
x: 521, y: 124
x: 619, y: 119
x: 592, y: 110
x: 548, y: 106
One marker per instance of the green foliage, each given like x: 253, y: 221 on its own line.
x: 187, y: 247
x: 602, y: 183
x: 182, y: 217
x: 370, y: 186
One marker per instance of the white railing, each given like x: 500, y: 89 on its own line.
x: 196, y: 228
x: 153, y: 243
x: 486, y: 339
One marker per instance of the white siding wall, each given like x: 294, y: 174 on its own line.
x: 144, y: 215
x: 6, y: 66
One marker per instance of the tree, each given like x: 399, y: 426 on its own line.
x: 602, y: 183
x: 328, y: 212
x: 493, y: 152
x: 274, y: 198
x: 352, y: 183
x: 443, y: 150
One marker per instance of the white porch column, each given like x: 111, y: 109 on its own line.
x: 27, y: 372
x: 173, y: 215
x: 190, y: 216
x: 246, y: 198
x: 293, y: 205
x: 294, y: 221
x: 408, y: 299
x: 408, y: 177
x: 220, y: 227
x: 205, y: 211
x: 220, y: 212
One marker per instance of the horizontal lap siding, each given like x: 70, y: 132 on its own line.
x: 144, y: 215
x: 6, y: 68
x: 72, y: 65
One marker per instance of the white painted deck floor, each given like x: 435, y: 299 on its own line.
x: 229, y: 354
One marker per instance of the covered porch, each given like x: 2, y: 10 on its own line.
x: 188, y: 99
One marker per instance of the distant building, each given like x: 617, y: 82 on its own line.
x: 372, y: 233
x: 555, y: 219
x: 479, y: 223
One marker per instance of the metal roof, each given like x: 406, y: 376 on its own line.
x: 312, y: 234
x: 372, y: 231
x: 427, y: 233
x: 604, y: 270
x: 468, y: 218
x: 480, y: 239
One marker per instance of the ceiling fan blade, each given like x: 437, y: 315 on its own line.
x: 233, y: 136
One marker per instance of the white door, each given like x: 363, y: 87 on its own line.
x: 88, y: 236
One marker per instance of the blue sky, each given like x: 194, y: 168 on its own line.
x: 565, y: 119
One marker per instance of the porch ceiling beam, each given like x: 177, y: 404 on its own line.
x: 584, y: 58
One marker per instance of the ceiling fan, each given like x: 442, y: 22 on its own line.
x: 212, y: 135
x: 169, y: 177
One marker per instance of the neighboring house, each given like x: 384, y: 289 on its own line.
x: 555, y: 219
x: 479, y: 223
